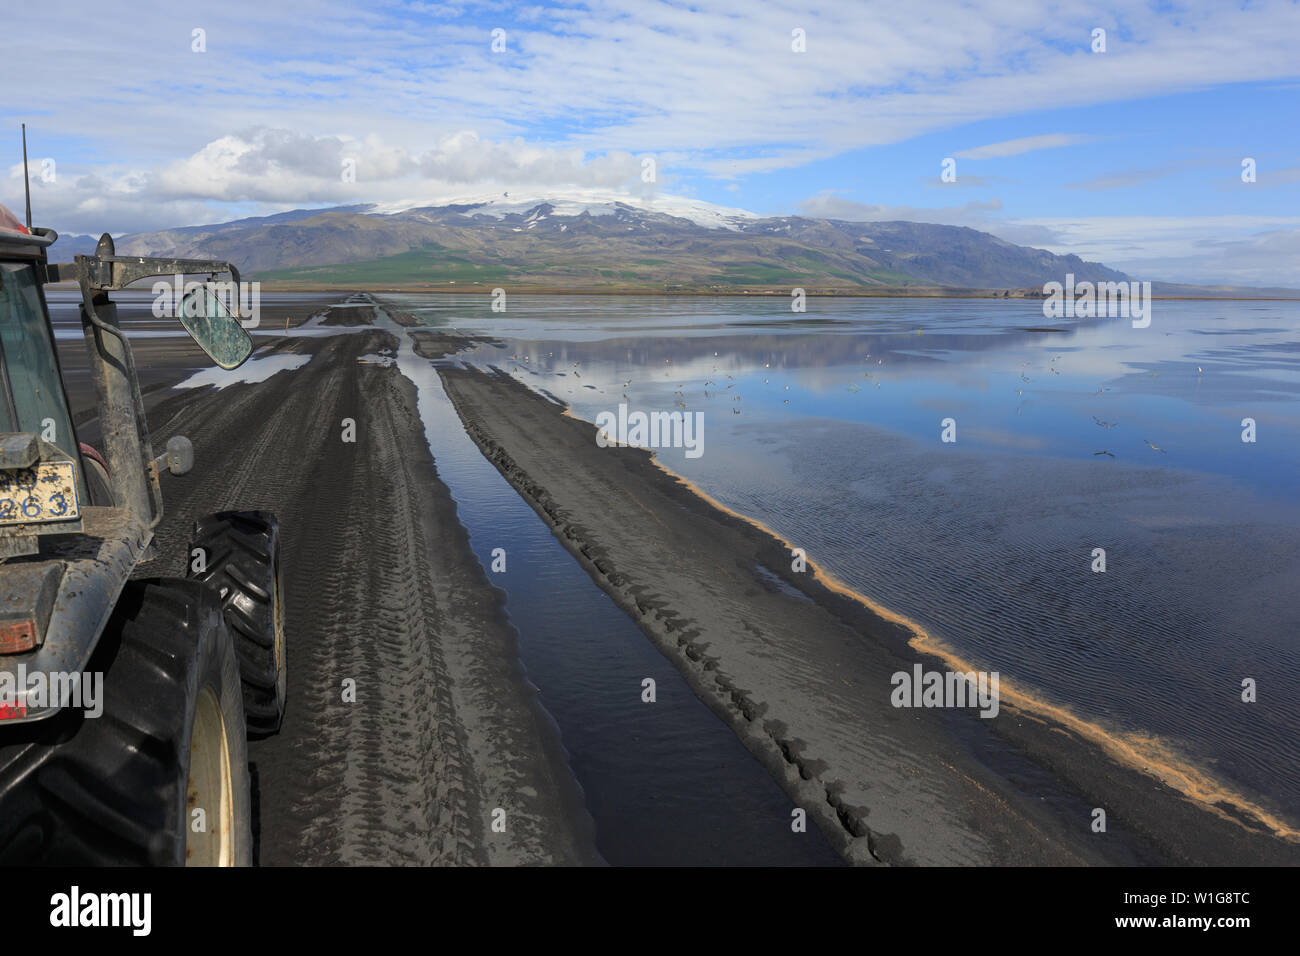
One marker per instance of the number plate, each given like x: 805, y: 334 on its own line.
x: 45, y: 492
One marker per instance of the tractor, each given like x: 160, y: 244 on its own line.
x: 126, y: 702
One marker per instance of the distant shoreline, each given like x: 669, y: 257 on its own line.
x: 886, y: 292
x: 892, y: 292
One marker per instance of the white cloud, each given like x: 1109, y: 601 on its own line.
x: 638, y: 76
x: 1232, y: 250
x: 829, y: 206
x: 260, y: 171
x: 1026, y: 144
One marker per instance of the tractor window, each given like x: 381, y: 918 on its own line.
x: 30, y: 375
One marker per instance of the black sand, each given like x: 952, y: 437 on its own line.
x: 802, y: 673
x: 382, y: 588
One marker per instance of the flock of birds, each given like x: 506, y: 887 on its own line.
x: 523, y: 362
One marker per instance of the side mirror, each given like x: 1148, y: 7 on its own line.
x: 214, y: 328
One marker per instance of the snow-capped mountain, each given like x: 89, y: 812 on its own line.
x: 575, y: 202
x: 592, y: 239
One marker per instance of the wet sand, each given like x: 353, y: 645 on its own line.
x: 382, y: 588
x: 801, y: 671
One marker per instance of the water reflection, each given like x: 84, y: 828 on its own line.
x: 827, y: 427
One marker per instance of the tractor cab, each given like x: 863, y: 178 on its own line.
x: 32, y: 399
x: 64, y: 556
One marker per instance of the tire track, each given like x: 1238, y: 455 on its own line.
x: 381, y: 587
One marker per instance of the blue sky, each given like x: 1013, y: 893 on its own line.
x: 1131, y: 155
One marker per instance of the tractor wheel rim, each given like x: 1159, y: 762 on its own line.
x: 209, y: 835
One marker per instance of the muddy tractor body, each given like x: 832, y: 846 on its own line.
x: 124, y: 701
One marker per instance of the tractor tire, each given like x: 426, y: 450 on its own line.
x: 97, y: 481
x: 124, y: 788
x: 241, y: 561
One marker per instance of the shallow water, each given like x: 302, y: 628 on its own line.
x: 666, y: 782
x: 827, y: 427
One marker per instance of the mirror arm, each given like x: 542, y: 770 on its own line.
x: 111, y: 273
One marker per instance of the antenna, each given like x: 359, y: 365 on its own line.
x: 27, y: 182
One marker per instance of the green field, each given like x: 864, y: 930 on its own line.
x: 435, y: 265
x: 418, y: 265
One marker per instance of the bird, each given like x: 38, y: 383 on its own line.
x: 1199, y: 369
x: 1095, y: 453
x: 1156, y: 447
x: 1106, y: 425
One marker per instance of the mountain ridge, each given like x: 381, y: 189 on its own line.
x: 589, y: 240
